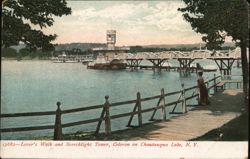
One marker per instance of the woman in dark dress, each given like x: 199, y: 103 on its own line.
x: 203, y: 93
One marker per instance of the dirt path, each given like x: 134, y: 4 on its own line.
x: 225, y: 106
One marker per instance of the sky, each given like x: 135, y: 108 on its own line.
x: 136, y: 23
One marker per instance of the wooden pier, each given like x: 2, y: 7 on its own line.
x: 224, y: 60
x: 169, y: 68
x: 198, y: 122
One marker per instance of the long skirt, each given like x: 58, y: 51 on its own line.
x: 203, y: 95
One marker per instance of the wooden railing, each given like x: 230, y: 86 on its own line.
x: 105, y: 114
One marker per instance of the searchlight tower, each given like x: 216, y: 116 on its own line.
x: 111, y: 39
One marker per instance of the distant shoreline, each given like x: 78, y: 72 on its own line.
x: 24, y: 59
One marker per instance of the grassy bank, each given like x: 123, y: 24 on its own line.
x: 235, y: 130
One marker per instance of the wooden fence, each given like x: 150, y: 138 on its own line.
x: 105, y: 113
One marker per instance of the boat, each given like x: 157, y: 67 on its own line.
x: 209, y: 68
x: 63, y: 60
x: 86, y: 61
x: 205, y: 68
x: 72, y: 58
x: 103, y: 63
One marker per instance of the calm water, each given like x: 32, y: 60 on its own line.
x: 30, y: 86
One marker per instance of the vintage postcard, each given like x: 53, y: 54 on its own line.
x: 124, y: 79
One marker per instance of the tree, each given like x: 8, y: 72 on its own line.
x: 24, y: 52
x: 18, y: 16
x: 8, y: 52
x: 217, y: 19
x: 76, y: 51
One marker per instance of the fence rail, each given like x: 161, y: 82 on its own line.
x: 105, y: 114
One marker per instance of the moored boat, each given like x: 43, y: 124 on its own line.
x: 209, y: 68
x: 102, y: 63
x: 205, y: 68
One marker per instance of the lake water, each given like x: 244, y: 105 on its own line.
x: 29, y: 86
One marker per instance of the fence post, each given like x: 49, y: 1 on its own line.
x: 215, y: 84
x: 100, y: 121
x: 184, y: 106
x: 208, y: 90
x: 58, y: 126
x: 163, y: 106
x: 107, y: 117
x: 139, y: 109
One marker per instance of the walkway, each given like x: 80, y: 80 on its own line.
x: 225, y: 106
x: 167, y: 55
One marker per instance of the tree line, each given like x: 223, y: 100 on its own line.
x: 134, y: 49
x: 26, y: 53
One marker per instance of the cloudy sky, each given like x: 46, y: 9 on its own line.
x: 136, y: 23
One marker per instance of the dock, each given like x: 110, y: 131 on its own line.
x: 170, y: 68
x: 224, y: 60
x: 224, y: 106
